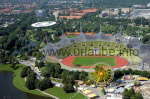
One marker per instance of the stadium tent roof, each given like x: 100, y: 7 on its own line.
x: 43, y: 24
x: 131, y: 42
x: 144, y: 50
x: 135, y: 42
x: 80, y: 38
x: 63, y: 43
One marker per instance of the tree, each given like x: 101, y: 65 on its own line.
x: 137, y: 83
x: 25, y: 71
x: 133, y: 97
x: 138, y: 96
x: 28, y: 70
x: 30, y: 83
x: 45, y: 84
x: 103, y: 90
x: 36, y: 64
x: 82, y: 75
x: 46, y: 74
x: 125, y: 94
x: 148, y: 76
x: 41, y: 64
x: 130, y: 92
x: 68, y: 88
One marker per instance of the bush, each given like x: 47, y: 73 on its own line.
x: 137, y: 83
x: 14, y: 66
x: 45, y: 84
x: 78, y: 65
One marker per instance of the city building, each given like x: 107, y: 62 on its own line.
x: 40, y: 13
x: 77, y: 14
x: 70, y: 17
x: 126, y: 10
x: 136, y: 6
x: 5, y: 10
x: 148, y: 5
x: 140, y: 13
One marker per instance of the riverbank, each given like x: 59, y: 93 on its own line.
x: 55, y: 91
x: 18, y: 81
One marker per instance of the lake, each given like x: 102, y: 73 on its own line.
x: 9, y: 91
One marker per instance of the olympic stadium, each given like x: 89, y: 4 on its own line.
x: 135, y: 53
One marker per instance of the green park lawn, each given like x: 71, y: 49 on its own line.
x: 60, y: 93
x: 49, y: 30
x: 71, y: 36
x: 20, y: 84
x: 18, y: 81
x: 89, y: 61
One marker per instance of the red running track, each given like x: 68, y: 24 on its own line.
x: 120, y: 62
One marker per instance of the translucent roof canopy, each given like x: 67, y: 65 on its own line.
x: 131, y: 42
x: 43, y: 24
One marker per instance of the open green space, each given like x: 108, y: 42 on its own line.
x: 18, y: 81
x: 56, y: 91
x: 89, y: 61
x: 71, y: 36
x: 60, y: 93
x: 49, y: 30
x: 102, y: 47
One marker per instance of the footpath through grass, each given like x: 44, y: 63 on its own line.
x: 60, y: 93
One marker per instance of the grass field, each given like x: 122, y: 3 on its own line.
x: 71, y: 36
x: 18, y: 81
x: 89, y: 61
x: 60, y: 93
x: 20, y: 84
x: 85, y: 48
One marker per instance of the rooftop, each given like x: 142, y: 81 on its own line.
x: 43, y: 24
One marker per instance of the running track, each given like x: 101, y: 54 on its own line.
x: 120, y: 62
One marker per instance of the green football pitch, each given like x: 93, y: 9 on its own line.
x: 89, y: 61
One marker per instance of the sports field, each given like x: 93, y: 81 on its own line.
x: 89, y: 61
x: 87, y: 54
x: 85, y: 62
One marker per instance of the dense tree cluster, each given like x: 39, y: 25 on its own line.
x: 68, y: 88
x: 13, y: 38
x: 130, y: 94
x: 54, y: 70
x: 68, y: 77
x: 25, y: 71
x: 119, y: 73
x: 31, y: 81
x: 114, y: 3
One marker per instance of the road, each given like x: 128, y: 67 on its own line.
x: 29, y: 63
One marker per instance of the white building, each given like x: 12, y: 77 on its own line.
x: 148, y: 5
x: 40, y: 13
x: 141, y: 13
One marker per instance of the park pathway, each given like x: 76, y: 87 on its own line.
x: 48, y: 94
